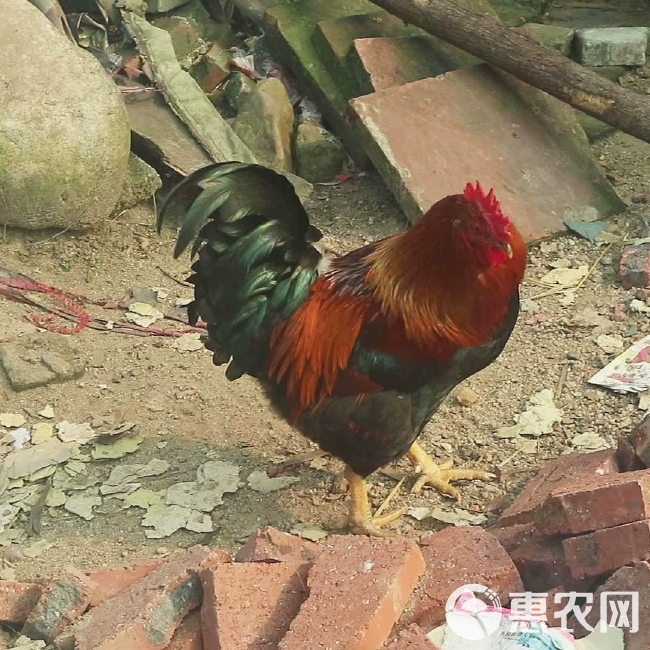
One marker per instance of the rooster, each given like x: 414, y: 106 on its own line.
x: 356, y: 351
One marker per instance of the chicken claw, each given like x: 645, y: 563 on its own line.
x: 440, y: 476
x: 361, y: 520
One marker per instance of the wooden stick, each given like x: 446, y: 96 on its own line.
x: 528, y: 60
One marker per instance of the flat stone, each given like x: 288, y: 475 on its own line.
x: 142, y: 182
x: 333, y: 39
x: 290, y: 28
x: 319, y: 155
x: 265, y: 124
x: 384, y: 62
x: 612, y: 46
x: 430, y: 137
x: 38, y: 360
x: 185, y: 37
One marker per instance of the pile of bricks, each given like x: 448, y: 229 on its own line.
x: 582, y: 525
x: 277, y: 592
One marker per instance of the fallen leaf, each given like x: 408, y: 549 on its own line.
x: 165, y: 520
x: 82, y: 505
x: 589, y: 441
x: 41, y: 432
x: 419, y: 513
x: 458, y: 517
x: 260, y: 482
x: 609, y: 344
x: 12, y: 420
x: 565, y: 277
x: 47, y: 412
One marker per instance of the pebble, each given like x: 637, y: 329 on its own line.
x: 573, y: 356
x: 466, y: 396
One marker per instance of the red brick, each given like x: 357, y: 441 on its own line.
x: 608, y: 549
x: 602, y: 502
x: 189, y: 635
x: 61, y: 603
x: 455, y: 557
x: 635, y: 578
x: 634, y: 268
x: 407, y: 131
x: 554, y: 475
x: 542, y: 564
x: 111, y: 581
x: 146, y: 614
x: 412, y: 638
x: 358, y: 587
x: 511, y: 537
x: 251, y: 605
x: 271, y: 545
x: 17, y: 599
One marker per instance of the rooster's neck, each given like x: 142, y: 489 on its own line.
x: 428, y: 278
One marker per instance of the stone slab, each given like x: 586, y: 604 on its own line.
x: 612, y: 46
x: 290, y: 28
x: 430, y: 137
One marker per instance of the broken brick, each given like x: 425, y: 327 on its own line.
x: 542, y: 564
x: 634, y: 267
x: 627, y: 580
x: 511, y: 537
x: 251, y: 605
x: 111, y: 581
x: 602, y: 502
x: 554, y: 475
x: 456, y: 557
x: 146, y: 614
x: 608, y: 549
x: 378, y: 575
x: 407, y: 130
x: 61, y: 603
x: 188, y: 636
x: 17, y: 599
x: 553, y: 608
x: 272, y: 545
x: 412, y: 638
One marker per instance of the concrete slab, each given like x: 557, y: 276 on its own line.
x: 380, y: 63
x: 430, y: 137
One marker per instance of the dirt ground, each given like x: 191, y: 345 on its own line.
x: 182, y: 400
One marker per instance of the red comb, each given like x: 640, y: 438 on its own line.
x: 489, y: 205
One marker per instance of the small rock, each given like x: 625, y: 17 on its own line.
x: 82, y: 505
x: 188, y: 342
x: 47, y: 412
x: 165, y: 520
x: 530, y: 306
x: 573, y: 356
x: 640, y: 197
x: 12, y: 419
x: 265, y: 124
x: 639, y: 307
x: 466, y: 396
x: 319, y: 154
x: 117, y: 449
x: 312, y: 532
x: 71, y: 432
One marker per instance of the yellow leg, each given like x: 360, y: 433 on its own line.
x: 361, y: 521
x: 440, y: 476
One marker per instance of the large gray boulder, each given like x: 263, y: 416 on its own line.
x: 64, y: 135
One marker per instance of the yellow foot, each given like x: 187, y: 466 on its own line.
x: 361, y: 519
x: 440, y: 476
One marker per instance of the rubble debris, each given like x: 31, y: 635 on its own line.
x: 17, y: 600
x: 611, y: 46
x: 117, y: 449
x: 9, y: 420
x: 38, y: 360
x: 190, y: 342
x: 398, y: 126
x: 635, y: 266
x: 71, y: 432
x: 82, y: 504
x: 142, y: 314
x: 312, y: 532
x: 272, y: 545
x: 25, y: 462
